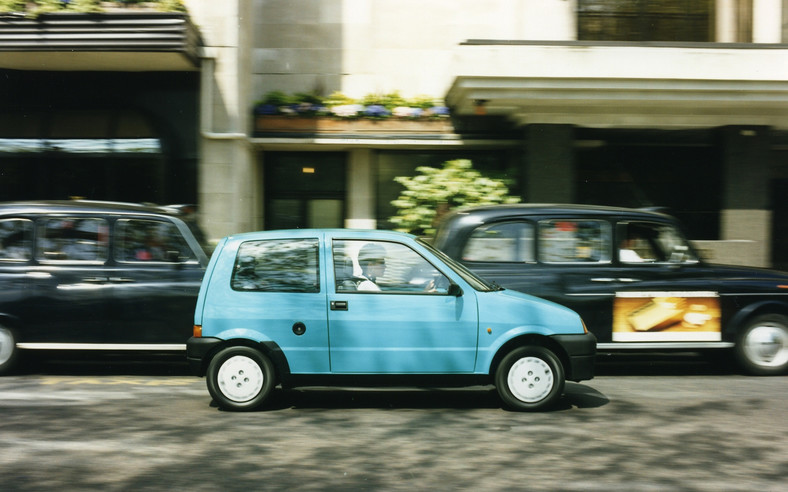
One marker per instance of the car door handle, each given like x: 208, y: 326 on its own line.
x: 603, y: 279
x: 339, y: 305
x: 119, y: 280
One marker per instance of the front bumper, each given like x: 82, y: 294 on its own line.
x: 196, y: 350
x: 581, y: 352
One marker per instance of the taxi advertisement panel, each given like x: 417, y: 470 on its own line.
x: 666, y: 317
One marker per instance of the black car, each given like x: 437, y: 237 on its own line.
x: 84, y: 275
x: 631, y: 274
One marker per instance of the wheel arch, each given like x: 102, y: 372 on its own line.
x: 531, y: 339
x: 750, y: 311
x: 267, y: 348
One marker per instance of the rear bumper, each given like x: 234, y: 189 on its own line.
x: 197, y: 348
x: 581, y: 352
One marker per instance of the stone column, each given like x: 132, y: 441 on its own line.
x: 360, y: 190
x: 548, y: 167
x: 745, y: 227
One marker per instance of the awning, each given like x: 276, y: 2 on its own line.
x: 112, y: 41
x: 668, y: 85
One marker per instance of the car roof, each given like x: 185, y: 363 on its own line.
x: 490, y: 212
x: 80, y: 206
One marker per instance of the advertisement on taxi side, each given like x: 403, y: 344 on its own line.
x: 666, y: 317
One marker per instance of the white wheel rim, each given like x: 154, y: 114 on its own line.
x: 240, y: 378
x: 766, y: 345
x: 530, y: 379
x: 6, y: 345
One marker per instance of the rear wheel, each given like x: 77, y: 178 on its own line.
x: 529, y: 379
x: 763, y: 345
x: 8, y: 351
x: 240, y: 378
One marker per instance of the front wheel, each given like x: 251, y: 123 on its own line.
x: 529, y: 379
x: 240, y: 378
x: 8, y: 350
x: 763, y: 346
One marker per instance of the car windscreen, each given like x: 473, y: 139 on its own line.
x: 474, y: 280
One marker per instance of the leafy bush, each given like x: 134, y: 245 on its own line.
x: 435, y: 191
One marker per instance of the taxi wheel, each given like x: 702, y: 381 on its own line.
x: 240, y: 378
x: 763, y: 345
x: 8, y: 350
x: 529, y: 379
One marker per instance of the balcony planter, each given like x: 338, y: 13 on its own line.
x: 351, y: 126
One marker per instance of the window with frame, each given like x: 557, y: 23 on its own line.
x: 73, y: 239
x: 384, y: 267
x: 648, y: 242
x: 147, y: 240
x: 574, y: 241
x: 645, y: 20
x: 510, y: 241
x: 16, y: 239
x: 277, y: 265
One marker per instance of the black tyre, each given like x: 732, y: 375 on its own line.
x: 530, y: 379
x: 762, y: 348
x: 8, y: 351
x: 240, y: 378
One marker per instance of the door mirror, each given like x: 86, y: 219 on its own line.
x: 455, y: 290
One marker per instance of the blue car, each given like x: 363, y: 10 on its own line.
x: 327, y: 307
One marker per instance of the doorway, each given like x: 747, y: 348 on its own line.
x: 305, y: 189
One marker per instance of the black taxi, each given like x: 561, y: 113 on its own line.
x: 95, y: 276
x: 631, y: 274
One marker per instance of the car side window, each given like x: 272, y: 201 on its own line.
x: 384, y: 267
x: 511, y: 241
x: 16, y: 239
x: 146, y: 240
x: 73, y: 239
x: 574, y: 241
x: 649, y: 242
x: 278, y: 265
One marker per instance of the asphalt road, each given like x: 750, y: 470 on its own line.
x: 656, y: 426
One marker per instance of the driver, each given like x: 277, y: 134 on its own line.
x: 372, y: 260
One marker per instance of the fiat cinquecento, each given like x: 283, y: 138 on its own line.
x: 327, y: 307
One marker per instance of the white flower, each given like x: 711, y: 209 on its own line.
x: 347, y: 110
x: 403, y: 112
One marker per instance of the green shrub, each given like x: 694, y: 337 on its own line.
x: 434, y: 190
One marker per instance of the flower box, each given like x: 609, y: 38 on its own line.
x: 350, y: 126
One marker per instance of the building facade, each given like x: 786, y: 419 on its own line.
x: 672, y: 103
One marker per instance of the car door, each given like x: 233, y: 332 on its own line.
x: 155, y: 277
x: 69, y: 288
x: 661, y: 292
x: 390, y: 312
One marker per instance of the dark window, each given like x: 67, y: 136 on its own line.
x: 16, y: 239
x: 150, y: 240
x: 282, y: 265
x: 571, y: 240
x: 645, y: 20
x: 73, y: 239
x: 644, y: 242
x: 505, y: 241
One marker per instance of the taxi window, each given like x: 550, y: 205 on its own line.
x: 16, y: 238
x: 73, y: 239
x: 511, y: 241
x: 278, y: 265
x: 649, y: 242
x: 146, y: 240
x: 574, y: 241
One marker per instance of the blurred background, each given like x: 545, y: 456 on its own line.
x: 301, y: 113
